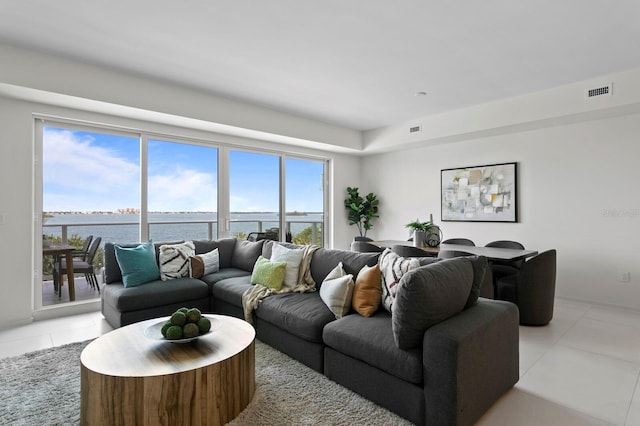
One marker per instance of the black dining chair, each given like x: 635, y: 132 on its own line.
x: 459, y: 241
x: 450, y: 254
x: 365, y: 247
x: 503, y: 268
x: 532, y: 289
x: 409, y: 251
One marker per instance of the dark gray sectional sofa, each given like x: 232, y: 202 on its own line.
x: 461, y: 367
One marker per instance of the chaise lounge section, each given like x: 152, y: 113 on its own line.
x: 455, y: 361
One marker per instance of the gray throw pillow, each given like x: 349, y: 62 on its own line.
x: 428, y: 295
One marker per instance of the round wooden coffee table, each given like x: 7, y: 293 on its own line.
x: 127, y: 378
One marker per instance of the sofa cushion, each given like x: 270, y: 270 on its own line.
x: 112, y: 272
x: 245, y: 254
x: 302, y: 314
x: 427, y: 296
x: 154, y: 293
x: 223, y: 274
x: 367, y: 293
x: 269, y: 274
x: 292, y: 258
x: 392, y: 269
x: 225, y: 248
x: 230, y: 290
x: 267, y: 247
x: 371, y: 341
x: 204, y: 264
x: 137, y: 264
x: 337, y: 290
x: 324, y: 260
x: 174, y: 260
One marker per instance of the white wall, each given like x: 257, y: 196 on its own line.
x: 17, y: 184
x: 578, y: 193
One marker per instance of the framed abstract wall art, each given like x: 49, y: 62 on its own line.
x: 480, y: 193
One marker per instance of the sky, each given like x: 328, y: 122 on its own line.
x: 90, y: 171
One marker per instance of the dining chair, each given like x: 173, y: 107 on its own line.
x: 365, y: 247
x: 409, y: 251
x: 450, y: 254
x: 532, y: 289
x: 84, y: 251
x: 459, y: 241
x: 83, y: 267
x: 79, y: 254
x: 504, y: 268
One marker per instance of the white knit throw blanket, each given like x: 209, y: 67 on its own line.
x: 255, y: 294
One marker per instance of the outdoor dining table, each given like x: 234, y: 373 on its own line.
x: 58, y: 250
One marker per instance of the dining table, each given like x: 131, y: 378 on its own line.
x: 491, y: 253
x: 57, y: 251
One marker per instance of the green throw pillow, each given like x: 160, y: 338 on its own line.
x: 138, y: 264
x: 269, y: 274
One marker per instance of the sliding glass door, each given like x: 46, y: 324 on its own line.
x: 127, y: 187
x: 182, y: 191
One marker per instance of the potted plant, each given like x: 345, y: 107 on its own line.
x: 425, y: 233
x: 361, y: 210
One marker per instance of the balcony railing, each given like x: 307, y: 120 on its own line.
x: 190, y: 230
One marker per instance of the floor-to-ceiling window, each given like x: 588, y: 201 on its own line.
x: 127, y: 186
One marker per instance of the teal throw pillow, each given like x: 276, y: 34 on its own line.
x: 138, y: 264
x: 269, y: 274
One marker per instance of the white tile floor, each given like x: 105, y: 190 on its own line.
x: 582, y: 369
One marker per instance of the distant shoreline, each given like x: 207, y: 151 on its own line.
x: 51, y: 214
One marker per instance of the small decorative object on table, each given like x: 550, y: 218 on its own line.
x: 185, y: 325
x: 425, y: 233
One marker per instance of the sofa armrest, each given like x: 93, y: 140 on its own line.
x: 469, y: 361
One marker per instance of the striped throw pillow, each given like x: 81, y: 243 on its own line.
x: 392, y: 268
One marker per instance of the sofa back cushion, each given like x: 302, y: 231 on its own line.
x: 428, y: 295
x: 267, y: 247
x: 324, y: 260
x: 112, y: 272
x: 225, y: 248
x: 245, y: 254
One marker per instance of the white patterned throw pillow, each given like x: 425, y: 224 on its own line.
x: 174, y: 260
x: 204, y: 264
x: 392, y: 268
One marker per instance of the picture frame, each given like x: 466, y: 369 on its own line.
x: 487, y: 193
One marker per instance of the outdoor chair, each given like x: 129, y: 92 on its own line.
x: 82, y: 267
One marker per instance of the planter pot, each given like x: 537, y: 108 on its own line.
x: 419, y: 238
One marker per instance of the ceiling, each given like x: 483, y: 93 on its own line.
x: 353, y: 63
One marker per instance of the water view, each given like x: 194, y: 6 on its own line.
x: 124, y: 228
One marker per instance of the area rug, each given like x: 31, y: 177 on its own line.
x: 43, y: 388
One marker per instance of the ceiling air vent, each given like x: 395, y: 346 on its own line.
x: 415, y: 129
x: 606, y: 90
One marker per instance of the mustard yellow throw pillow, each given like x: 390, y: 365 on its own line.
x: 367, y: 293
